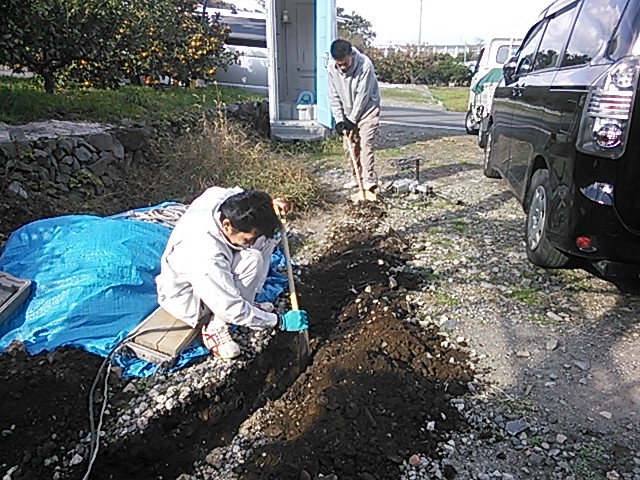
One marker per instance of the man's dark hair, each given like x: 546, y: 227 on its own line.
x: 340, y: 49
x: 251, y: 210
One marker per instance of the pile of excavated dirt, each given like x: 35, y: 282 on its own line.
x: 377, y: 391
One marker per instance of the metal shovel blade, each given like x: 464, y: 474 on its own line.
x: 364, y: 196
x: 303, y: 352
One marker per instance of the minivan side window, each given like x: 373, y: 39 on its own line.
x: 554, y: 39
x: 595, y: 25
x: 528, y: 50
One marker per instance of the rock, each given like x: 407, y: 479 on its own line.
x: 8, y: 149
x: 16, y: 190
x: 304, y: 475
x: 67, y: 144
x: 605, y: 414
x: 82, y: 154
x: 131, y: 139
x: 584, y: 366
x: 554, y: 316
x: 552, y: 345
x: 101, y: 141
x: 536, y: 459
x: 515, y: 427
x: 16, y: 134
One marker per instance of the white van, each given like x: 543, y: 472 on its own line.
x: 248, y: 37
x: 487, y: 74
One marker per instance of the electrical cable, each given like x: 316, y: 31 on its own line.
x: 95, y: 431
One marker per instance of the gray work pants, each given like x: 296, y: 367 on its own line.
x: 363, y: 147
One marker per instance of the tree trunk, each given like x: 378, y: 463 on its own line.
x: 49, y: 82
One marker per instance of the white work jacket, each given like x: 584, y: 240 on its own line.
x: 196, y: 270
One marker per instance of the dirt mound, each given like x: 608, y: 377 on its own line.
x: 377, y: 390
x: 377, y: 381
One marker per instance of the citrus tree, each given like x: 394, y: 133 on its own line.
x: 45, y: 36
x: 103, y: 42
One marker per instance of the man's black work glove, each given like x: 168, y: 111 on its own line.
x: 349, y: 125
x: 340, y: 127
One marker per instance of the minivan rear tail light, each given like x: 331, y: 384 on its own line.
x: 604, y: 126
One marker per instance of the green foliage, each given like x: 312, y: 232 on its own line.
x: 356, y: 29
x: 46, y: 35
x: 527, y: 295
x: 446, y: 70
x: 22, y: 101
x: 103, y: 42
x: 411, y: 64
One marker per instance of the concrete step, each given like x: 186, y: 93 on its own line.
x: 298, y: 130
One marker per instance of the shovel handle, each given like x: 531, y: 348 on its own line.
x: 293, y: 297
x: 354, y: 163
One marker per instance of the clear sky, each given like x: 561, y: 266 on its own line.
x: 445, y: 21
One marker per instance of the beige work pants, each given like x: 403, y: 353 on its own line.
x: 363, y: 148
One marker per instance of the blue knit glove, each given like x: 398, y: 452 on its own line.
x: 294, y: 321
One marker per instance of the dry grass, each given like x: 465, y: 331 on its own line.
x: 222, y: 154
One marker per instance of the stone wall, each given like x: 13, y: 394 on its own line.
x: 57, y: 157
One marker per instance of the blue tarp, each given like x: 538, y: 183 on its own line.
x: 93, y: 281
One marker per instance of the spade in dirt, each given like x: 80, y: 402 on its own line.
x: 362, y: 195
x: 303, y: 336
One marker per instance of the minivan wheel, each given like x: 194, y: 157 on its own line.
x: 488, y: 170
x: 469, y: 124
x: 539, y: 250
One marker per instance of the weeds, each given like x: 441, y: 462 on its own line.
x: 223, y: 154
x: 459, y: 226
x: 527, y: 295
x: 589, y: 458
x: 444, y: 299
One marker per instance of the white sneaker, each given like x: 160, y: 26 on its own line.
x: 219, y: 342
x: 350, y: 184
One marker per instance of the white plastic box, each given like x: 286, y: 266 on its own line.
x: 13, y: 292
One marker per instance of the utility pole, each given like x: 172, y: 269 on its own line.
x: 420, y: 26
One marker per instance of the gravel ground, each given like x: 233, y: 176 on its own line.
x: 560, y: 392
x: 557, y: 385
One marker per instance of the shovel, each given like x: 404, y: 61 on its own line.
x: 303, y: 336
x: 362, y: 195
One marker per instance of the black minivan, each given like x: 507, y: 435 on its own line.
x: 565, y: 133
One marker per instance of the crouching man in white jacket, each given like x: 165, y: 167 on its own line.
x: 216, y: 260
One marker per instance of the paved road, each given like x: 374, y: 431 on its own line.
x: 422, y: 118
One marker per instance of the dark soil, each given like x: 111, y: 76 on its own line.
x: 360, y: 408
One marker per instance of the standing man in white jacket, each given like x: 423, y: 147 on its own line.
x: 355, y: 103
x: 216, y: 260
